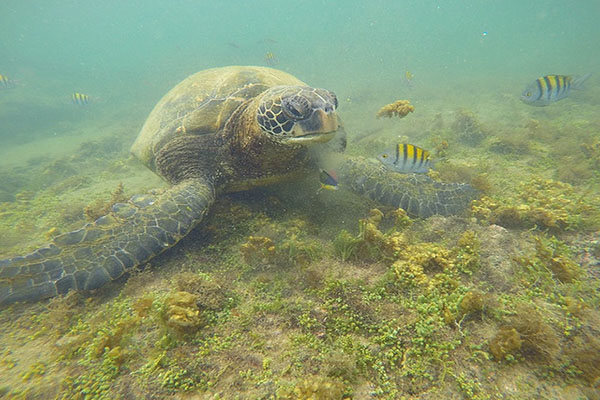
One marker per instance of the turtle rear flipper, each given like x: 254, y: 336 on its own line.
x: 104, y: 250
x: 419, y: 195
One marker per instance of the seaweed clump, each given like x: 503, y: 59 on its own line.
x: 281, y: 245
x: 440, y: 147
x: 258, y: 249
x: 513, y: 145
x: 100, y: 207
x: 507, y: 341
x: 554, y: 254
x: 425, y: 264
x: 182, y: 313
x: 371, y: 243
x: 471, y: 303
x: 431, y: 265
x: 468, y: 128
x: 528, y: 334
x: 211, y: 295
x: 543, y: 204
x: 193, y: 305
x: 552, y: 260
x: 592, y: 152
x: 585, y: 353
x: 399, y: 108
x: 316, y: 388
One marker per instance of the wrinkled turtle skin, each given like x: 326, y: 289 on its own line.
x: 220, y: 130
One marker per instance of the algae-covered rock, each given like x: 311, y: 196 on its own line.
x: 182, y: 312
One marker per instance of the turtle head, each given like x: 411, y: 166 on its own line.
x: 298, y: 114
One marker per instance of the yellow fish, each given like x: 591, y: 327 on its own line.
x: 406, y: 158
x: 408, y: 78
x: 271, y: 59
x: 328, y: 181
x: 550, y: 88
x: 6, y: 82
x: 80, y: 98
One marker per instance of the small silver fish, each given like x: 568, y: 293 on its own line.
x: 550, y: 88
x: 406, y: 158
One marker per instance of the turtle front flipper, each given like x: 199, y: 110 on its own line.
x: 418, y: 194
x: 102, y: 251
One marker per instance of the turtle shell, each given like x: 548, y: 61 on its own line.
x: 202, y: 104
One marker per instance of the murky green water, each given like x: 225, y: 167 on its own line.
x: 371, y: 313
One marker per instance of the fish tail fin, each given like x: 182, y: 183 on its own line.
x: 580, y: 80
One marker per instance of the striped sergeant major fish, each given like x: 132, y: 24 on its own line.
x: 80, y: 98
x: 6, y: 82
x: 551, y: 88
x: 406, y: 158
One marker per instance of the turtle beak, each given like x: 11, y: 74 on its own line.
x: 320, y: 127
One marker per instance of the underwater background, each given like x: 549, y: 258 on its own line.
x: 353, y: 300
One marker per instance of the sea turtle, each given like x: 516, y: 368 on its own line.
x: 220, y: 130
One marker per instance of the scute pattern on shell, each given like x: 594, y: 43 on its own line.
x: 203, y: 103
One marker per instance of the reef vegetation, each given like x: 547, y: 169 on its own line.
x: 399, y: 108
x: 286, y: 293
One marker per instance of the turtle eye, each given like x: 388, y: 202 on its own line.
x: 296, y: 107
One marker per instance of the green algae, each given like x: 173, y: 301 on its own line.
x: 379, y: 306
x: 468, y: 128
x: 543, y: 204
x: 411, y: 327
x: 316, y: 388
x: 371, y: 244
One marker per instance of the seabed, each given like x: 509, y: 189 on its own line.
x: 326, y: 295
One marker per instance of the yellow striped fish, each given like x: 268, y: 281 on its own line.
x: 408, y: 78
x: 80, y: 98
x: 6, y: 82
x: 271, y: 59
x: 551, y: 88
x: 406, y: 158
